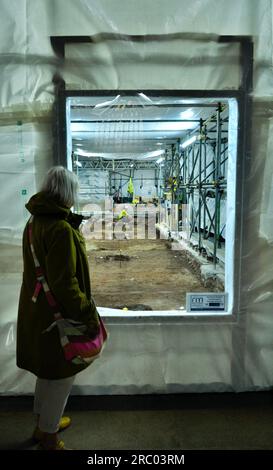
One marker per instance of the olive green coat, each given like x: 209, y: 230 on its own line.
x: 60, y: 249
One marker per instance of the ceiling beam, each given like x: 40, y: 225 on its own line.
x: 113, y: 165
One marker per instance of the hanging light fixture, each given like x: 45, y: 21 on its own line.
x: 189, y: 141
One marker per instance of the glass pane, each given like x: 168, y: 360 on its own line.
x: 157, y: 189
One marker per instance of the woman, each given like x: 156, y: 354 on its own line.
x: 61, y: 253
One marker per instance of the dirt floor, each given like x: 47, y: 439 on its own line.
x: 141, y: 275
x: 138, y: 274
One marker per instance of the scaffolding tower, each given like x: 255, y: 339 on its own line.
x: 196, y: 176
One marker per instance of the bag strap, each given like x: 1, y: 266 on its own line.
x: 40, y: 277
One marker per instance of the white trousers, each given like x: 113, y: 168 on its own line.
x: 49, y: 402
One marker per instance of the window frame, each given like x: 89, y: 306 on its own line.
x: 243, y: 97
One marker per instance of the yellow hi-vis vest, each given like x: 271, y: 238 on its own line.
x: 122, y: 214
x: 130, y: 188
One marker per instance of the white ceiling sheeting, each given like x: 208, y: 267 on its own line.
x: 133, y: 127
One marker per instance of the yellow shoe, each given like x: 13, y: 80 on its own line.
x: 59, y: 445
x: 65, y: 421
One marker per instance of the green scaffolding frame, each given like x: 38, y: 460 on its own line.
x: 195, y: 178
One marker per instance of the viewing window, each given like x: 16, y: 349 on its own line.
x: 157, y: 180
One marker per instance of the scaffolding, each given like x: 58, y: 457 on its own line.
x: 196, y: 176
x: 114, y: 179
x: 114, y: 165
x: 192, y: 176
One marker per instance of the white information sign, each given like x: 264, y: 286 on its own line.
x: 206, y: 302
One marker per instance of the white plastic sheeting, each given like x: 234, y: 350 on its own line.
x: 151, y: 357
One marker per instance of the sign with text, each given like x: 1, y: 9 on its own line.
x: 206, y: 302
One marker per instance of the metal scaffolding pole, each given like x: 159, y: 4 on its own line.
x: 217, y: 190
x: 200, y: 187
x: 203, y: 175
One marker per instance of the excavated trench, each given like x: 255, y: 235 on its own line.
x: 143, y: 275
x: 134, y: 274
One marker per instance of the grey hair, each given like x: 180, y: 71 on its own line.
x: 61, y: 185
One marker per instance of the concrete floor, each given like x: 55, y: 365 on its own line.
x: 180, y: 422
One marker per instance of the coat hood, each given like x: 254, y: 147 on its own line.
x: 41, y: 204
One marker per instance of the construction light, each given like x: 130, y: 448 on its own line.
x: 189, y: 142
x: 87, y: 154
x: 188, y: 114
x: 155, y: 153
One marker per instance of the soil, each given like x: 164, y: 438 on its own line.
x: 137, y: 274
x: 142, y: 275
